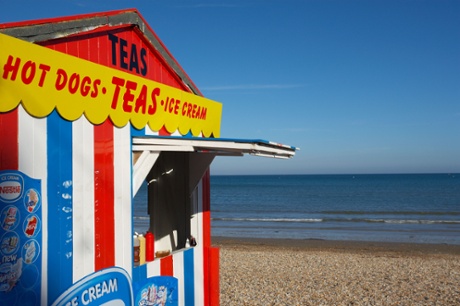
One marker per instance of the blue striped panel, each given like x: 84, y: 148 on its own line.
x: 135, y: 132
x: 139, y: 273
x: 189, y: 277
x: 59, y: 148
x: 188, y: 135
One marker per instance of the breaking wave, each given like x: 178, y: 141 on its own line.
x: 357, y: 220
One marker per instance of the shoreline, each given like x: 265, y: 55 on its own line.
x: 336, y: 245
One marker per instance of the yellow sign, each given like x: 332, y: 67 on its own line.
x: 43, y: 80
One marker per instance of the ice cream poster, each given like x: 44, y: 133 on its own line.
x: 156, y: 291
x: 20, y: 238
x: 107, y: 287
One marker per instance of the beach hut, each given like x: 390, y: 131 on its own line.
x: 94, y: 108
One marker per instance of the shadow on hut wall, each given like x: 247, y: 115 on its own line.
x: 174, y: 198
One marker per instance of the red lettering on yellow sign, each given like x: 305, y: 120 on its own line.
x: 28, y: 71
x: 75, y: 82
x: 133, y: 100
x: 189, y: 110
x: 141, y: 105
x: 194, y: 111
x: 43, y: 80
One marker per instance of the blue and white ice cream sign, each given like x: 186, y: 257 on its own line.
x: 156, y: 291
x: 20, y: 238
x: 108, y: 287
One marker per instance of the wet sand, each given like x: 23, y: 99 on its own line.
x: 319, y: 272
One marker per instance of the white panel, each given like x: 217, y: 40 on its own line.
x: 178, y: 271
x: 216, y: 146
x: 148, y: 131
x: 142, y: 168
x: 83, y: 198
x: 159, y: 148
x: 33, y: 162
x: 177, y: 134
x: 153, y: 268
x: 123, y: 198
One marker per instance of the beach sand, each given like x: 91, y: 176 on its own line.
x: 318, y: 272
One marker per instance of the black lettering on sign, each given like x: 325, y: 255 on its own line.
x: 127, y: 55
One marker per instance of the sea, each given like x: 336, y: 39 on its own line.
x: 413, y: 208
x: 409, y: 208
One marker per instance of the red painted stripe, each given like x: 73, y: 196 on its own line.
x: 166, y: 266
x: 9, y: 148
x: 214, y: 285
x: 206, y: 236
x: 104, y: 196
x: 164, y: 132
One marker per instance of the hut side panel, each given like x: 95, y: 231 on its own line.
x: 85, y: 172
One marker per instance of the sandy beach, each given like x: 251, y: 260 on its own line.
x: 318, y: 272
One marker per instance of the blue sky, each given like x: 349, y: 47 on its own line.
x: 359, y: 86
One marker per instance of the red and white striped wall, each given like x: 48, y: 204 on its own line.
x: 86, y: 209
x: 86, y: 174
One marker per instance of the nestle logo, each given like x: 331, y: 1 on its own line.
x: 10, y: 187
